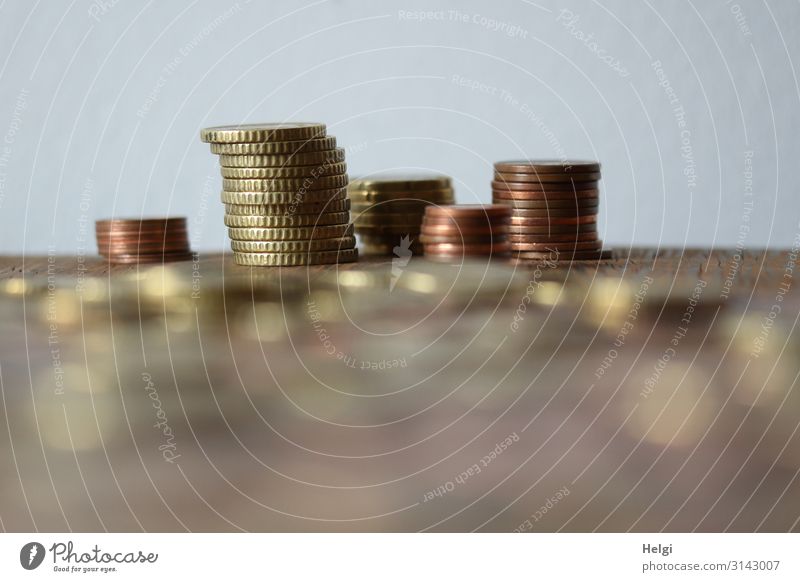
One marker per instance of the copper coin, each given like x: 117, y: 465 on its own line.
x: 548, y: 203
x: 114, y: 223
x: 554, y: 238
x: 134, y: 239
x: 456, y: 230
x: 563, y: 229
x: 561, y: 255
x: 152, y: 258
x: 466, y: 249
x: 548, y: 166
x: 472, y: 221
x: 546, y: 178
x: 539, y: 221
x: 549, y: 196
x: 562, y: 246
x: 552, y: 212
x: 536, y: 187
x: 488, y: 211
x: 474, y: 239
x: 142, y: 248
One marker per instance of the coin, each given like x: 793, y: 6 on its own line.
x: 396, y: 197
x: 341, y: 205
x: 295, y: 259
x: 545, y: 203
x: 293, y: 246
x: 553, y: 212
x: 565, y: 188
x: 483, y: 238
x: 136, y: 224
x: 405, y: 182
x: 284, y: 172
x: 299, y: 159
x: 548, y: 166
x: 285, y: 184
x: 256, y: 132
x: 553, y: 238
x: 150, y: 258
x: 533, y: 195
x: 466, y: 249
x: 289, y: 198
x: 490, y: 211
x: 561, y: 255
x: 456, y: 230
x: 283, y: 221
x: 575, y: 228
x: 506, y: 177
x: 143, y: 240
x: 525, y: 221
x: 558, y: 246
x: 275, y: 147
x: 297, y: 233
x: 389, y: 248
x: 388, y: 229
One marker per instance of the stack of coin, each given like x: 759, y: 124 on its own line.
x: 553, y: 208
x: 150, y: 240
x: 466, y: 230
x: 284, y: 188
x: 388, y: 209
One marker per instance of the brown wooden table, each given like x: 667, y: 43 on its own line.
x: 655, y: 391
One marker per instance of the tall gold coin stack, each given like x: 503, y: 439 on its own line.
x: 284, y: 186
x: 553, y: 208
x: 388, y: 209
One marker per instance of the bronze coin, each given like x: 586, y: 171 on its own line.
x: 506, y: 177
x: 561, y: 255
x: 563, y: 246
x: 539, y: 221
x: 564, y: 229
x: 466, y: 249
x: 554, y: 238
x: 547, y: 166
x: 488, y: 211
x: 552, y: 212
x: 501, y: 187
x: 544, y: 204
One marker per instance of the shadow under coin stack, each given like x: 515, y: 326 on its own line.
x: 285, y: 193
x: 553, y: 206
x: 388, y: 209
x: 148, y: 240
x: 453, y: 232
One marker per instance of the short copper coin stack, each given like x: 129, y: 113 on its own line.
x: 452, y: 232
x: 284, y: 186
x: 553, y: 207
x: 149, y: 240
x: 388, y: 209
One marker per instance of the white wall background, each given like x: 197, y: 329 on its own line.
x: 101, y: 103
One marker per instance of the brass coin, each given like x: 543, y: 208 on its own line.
x: 574, y: 228
x: 255, y: 132
x: 285, y: 184
x: 563, y: 246
x: 297, y: 233
x: 293, y: 246
x: 455, y: 211
x: 284, y: 172
x: 341, y: 205
x: 404, y: 182
x: 548, y: 179
x: 395, y: 207
x: 295, y: 259
x: 561, y: 255
x: 390, y: 197
x: 285, y: 198
x: 274, y: 147
x: 525, y: 221
x: 500, y: 188
x: 547, y: 203
x: 279, y: 161
x: 284, y: 221
x: 553, y: 238
x: 548, y: 166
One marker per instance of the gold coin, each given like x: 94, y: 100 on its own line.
x: 291, y: 199
x: 301, y: 159
x: 402, y: 181
x: 287, y: 210
x: 295, y: 259
x: 293, y: 246
x: 274, y: 147
x: 283, y: 221
x: 296, y: 233
x: 285, y: 184
x: 284, y: 172
x: 372, y: 196
x: 255, y: 132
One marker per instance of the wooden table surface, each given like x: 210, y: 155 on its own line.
x: 655, y: 391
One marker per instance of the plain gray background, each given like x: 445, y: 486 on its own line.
x: 692, y: 107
